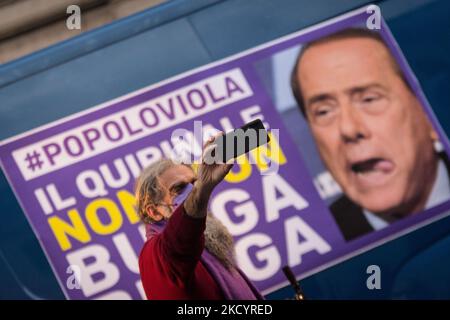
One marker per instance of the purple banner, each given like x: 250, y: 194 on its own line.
x: 305, y: 200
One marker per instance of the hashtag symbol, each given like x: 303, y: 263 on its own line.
x: 34, y: 160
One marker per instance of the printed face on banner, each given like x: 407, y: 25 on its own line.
x: 357, y: 157
x: 370, y: 129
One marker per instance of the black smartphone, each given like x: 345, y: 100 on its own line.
x: 240, y: 141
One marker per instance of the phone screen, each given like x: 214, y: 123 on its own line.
x: 241, y: 140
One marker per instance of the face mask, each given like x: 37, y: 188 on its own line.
x: 183, y: 195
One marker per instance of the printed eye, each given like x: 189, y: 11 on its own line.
x: 372, y: 102
x: 371, y: 98
x: 322, y: 111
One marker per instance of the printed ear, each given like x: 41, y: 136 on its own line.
x: 433, y: 134
x: 437, y: 144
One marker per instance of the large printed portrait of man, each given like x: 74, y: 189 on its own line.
x: 370, y: 129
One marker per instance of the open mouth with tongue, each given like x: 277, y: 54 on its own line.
x: 372, y: 172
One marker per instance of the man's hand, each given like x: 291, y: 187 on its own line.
x: 208, y: 177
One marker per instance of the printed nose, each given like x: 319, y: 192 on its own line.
x: 351, y: 125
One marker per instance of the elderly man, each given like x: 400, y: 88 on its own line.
x: 371, y: 131
x: 173, y: 264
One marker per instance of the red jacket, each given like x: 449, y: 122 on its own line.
x: 170, y: 264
